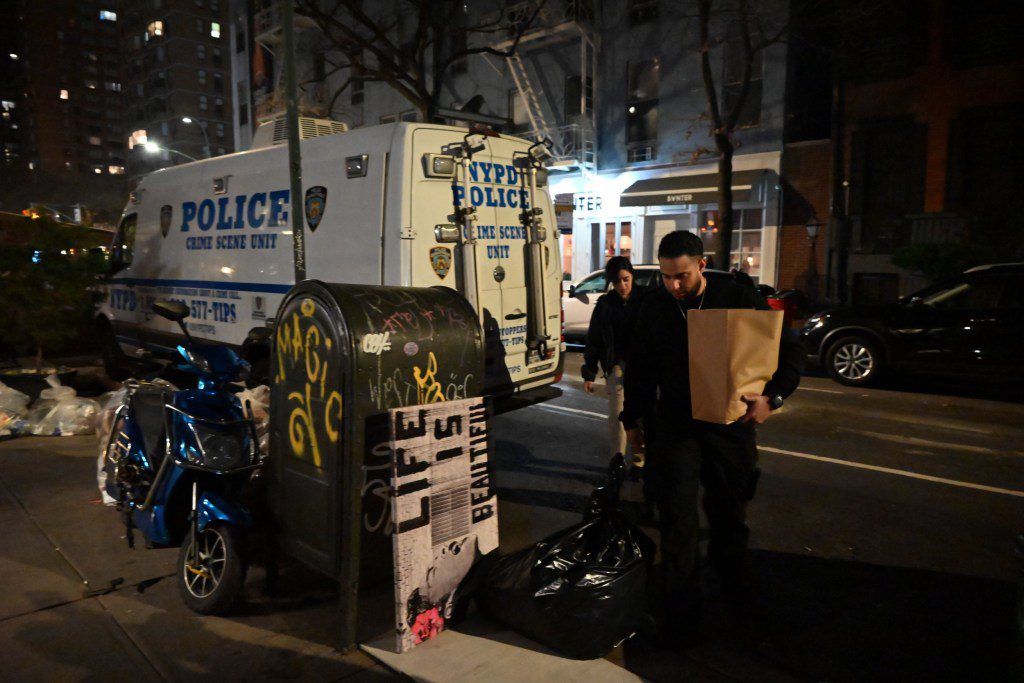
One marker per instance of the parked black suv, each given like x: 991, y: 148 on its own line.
x: 970, y: 326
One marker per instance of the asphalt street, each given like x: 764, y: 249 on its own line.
x: 883, y: 529
x: 883, y: 537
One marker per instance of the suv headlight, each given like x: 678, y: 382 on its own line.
x: 813, y: 323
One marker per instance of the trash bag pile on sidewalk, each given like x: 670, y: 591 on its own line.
x: 58, y: 411
x: 582, y: 590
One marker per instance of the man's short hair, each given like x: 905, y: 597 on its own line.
x: 680, y: 243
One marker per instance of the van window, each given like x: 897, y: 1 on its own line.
x: 123, y: 247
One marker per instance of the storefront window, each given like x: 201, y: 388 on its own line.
x: 567, y: 256
x: 745, y: 250
x: 618, y: 239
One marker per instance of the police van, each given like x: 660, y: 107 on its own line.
x: 404, y: 204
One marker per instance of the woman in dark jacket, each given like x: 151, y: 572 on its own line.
x: 608, y: 343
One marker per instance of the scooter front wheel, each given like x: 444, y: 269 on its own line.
x: 211, y: 570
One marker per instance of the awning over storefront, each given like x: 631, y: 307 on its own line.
x: 689, y: 189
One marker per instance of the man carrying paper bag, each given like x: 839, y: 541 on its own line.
x: 733, y: 355
x: 741, y: 365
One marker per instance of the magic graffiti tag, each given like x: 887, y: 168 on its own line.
x: 304, y: 358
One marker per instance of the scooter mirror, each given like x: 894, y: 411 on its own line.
x: 172, y: 310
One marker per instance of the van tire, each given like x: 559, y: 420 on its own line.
x: 115, y: 363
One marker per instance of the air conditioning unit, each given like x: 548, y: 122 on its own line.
x: 275, y: 132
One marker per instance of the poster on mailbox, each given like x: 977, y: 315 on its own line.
x: 444, y: 509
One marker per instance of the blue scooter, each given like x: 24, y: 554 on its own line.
x: 180, y: 465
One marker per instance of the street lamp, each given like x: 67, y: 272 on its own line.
x: 187, y: 120
x: 154, y: 148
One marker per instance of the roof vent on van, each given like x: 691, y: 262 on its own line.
x: 276, y: 132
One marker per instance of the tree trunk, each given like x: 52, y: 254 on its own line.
x: 725, y: 215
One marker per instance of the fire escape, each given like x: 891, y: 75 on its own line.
x: 269, y: 97
x: 557, y: 23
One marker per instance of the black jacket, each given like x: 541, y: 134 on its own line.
x: 608, y: 335
x: 657, y: 369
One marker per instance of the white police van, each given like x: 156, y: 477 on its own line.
x: 382, y: 205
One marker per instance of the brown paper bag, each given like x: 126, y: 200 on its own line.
x: 733, y: 351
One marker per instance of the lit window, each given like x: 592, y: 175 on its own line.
x: 107, y: 15
x: 202, y: 77
x: 31, y: 165
x: 137, y: 138
x: 202, y: 103
x: 13, y: 57
x: 200, y: 51
x: 155, y: 29
x: 67, y: 165
x: 64, y: 94
x: 115, y: 170
x: 214, y: 29
x: 97, y: 170
x: 7, y: 105
x: 95, y: 140
x: 112, y: 86
x: 91, y: 85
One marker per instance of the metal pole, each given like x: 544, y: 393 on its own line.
x: 294, y: 154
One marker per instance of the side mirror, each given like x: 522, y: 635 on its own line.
x: 172, y: 310
x: 572, y: 291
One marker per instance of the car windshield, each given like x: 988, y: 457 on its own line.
x: 595, y: 284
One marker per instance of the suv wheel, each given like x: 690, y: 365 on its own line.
x: 854, y: 361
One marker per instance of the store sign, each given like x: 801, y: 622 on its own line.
x: 588, y: 203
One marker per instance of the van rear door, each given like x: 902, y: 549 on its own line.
x: 497, y: 192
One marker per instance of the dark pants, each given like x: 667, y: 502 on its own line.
x: 724, y: 460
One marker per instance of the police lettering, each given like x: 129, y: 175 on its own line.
x: 257, y: 210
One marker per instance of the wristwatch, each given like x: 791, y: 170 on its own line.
x: 775, y: 401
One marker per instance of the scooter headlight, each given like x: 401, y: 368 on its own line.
x: 216, y: 446
x: 223, y: 451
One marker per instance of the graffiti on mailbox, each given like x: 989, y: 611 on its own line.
x: 303, y: 363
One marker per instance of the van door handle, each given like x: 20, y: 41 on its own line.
x: 515, y: 316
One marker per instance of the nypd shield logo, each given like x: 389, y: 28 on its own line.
x: 165, y: 218
x: 316, y: 204
x: 441, y: 260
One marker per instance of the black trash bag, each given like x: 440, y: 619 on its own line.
x: 582, y: 590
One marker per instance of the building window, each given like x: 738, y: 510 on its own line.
x: 218, y: 82
x: 218, y: 106
x: 214, y: 6
x: 95, y: 140
x: 217, y: 59
x: 642, y: 102
x: 637, y: 154
x: 642, y: 11
x: 64, y: 95
x: 112, y: 86
x: 200, y: 26
x: 243, y: 114
x: 155, y: 29
x: 203, y: 105
x: 91, y: 85
x: 200, y: 51
x: 745, y: 250
x: 734, y: 63
x: 201, y: 77
x: 220, y: 131
x: 214, y: 29
x: 115, y: 170
x: 886, y: 188
x: 107, y: 15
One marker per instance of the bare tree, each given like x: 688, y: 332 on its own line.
x: 416, y: 62
x: 721, y: 22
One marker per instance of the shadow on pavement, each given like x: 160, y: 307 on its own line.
x: 840, y: 620
x: 940, y: 386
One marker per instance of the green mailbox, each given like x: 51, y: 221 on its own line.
x: 343, y: 355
